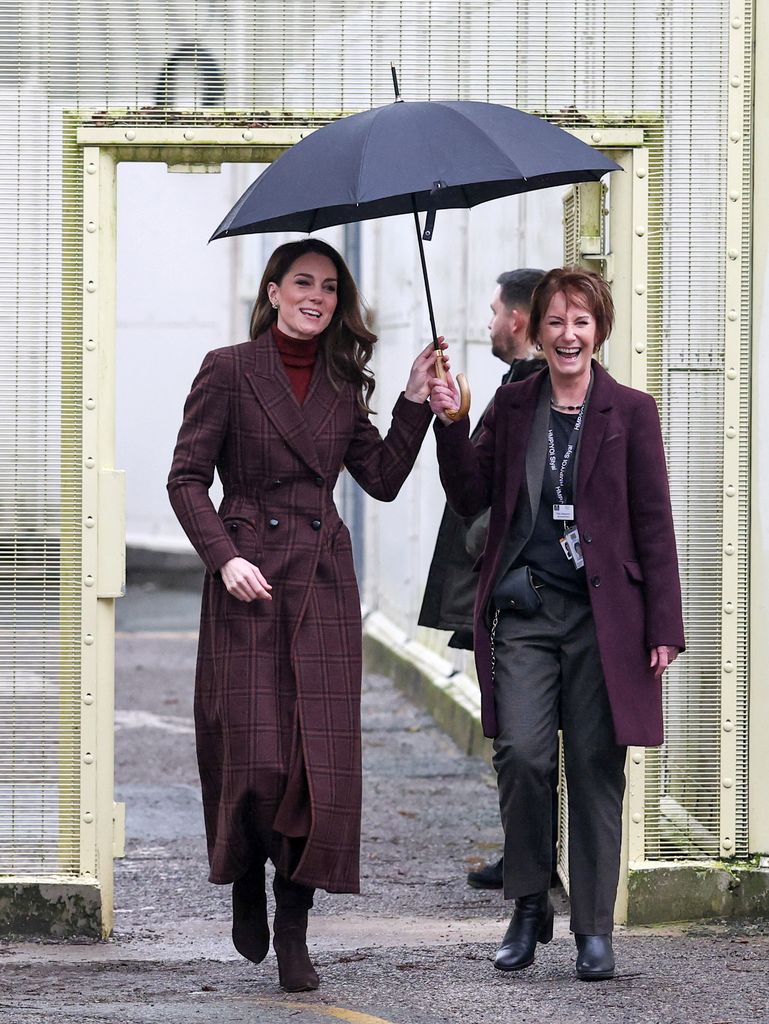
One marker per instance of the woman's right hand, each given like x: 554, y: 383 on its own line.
x: 244, y: 581
x: 444, y: 397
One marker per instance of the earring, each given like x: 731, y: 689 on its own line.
x: 275, y: 305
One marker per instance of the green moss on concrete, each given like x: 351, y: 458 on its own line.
x: 693, y: 891
x: 47, y: 910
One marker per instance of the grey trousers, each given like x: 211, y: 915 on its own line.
x: 548, y: 675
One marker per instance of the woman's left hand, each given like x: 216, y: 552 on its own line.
x: 661, y: 657
x: 418, y: 387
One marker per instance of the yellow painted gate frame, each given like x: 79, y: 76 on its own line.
x: 635, y: 144
x: 194, y: 147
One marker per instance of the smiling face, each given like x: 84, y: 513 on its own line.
x: 568, y: 336
x: 306, y: 296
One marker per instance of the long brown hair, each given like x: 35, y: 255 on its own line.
x: 347, y: 344
x: 585, y: 287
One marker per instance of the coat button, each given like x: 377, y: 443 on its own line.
x: 273, y: 523
x: 318, y: 481
x: 588, y: 538
x: 315, y: 524
x: 596, y: 581
x: 276, y: 483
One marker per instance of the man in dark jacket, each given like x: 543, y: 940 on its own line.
x: 450, y: 589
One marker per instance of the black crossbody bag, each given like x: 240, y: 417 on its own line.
x: 517, y: 592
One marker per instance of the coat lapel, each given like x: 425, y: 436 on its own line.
x: 536, y: 449
x: 596, y: 420
x: 322, y: 399
x: 272, y: 389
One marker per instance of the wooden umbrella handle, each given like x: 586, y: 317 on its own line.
x: 464, y: 390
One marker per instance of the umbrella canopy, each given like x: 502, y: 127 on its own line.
x: 406, y: 157
x: 411, y: 157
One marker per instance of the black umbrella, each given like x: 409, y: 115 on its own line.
x: 407, y: 158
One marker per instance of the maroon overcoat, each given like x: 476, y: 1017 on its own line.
x: 269, y: 671
x: 622, y: 506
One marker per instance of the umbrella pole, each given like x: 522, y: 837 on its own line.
x: 436, y: 344
x: 464, y: 389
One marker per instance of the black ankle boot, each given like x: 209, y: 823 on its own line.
x: 595, y: 957
x: 295, y: 969
x: 490, y: 876
x: 532, y: 922
x: 250, y: 930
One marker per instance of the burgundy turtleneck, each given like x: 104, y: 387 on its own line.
x: 299, y: 360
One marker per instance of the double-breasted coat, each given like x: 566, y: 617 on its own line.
x: 623, y: 512
x: 273, y: 673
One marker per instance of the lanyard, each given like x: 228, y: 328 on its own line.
x: 557, y: 476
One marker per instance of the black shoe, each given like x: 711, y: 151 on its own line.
x: 595, y: 957
x: 487, y: 877
x: 250, y: 930
x: 532, y: 922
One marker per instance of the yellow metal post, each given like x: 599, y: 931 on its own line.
x: 627, y: 272
x: 103, y: 542
x: 90, y: 865
x: 759, y: 521
x: 733, y: 385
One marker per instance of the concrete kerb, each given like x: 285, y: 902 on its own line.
x: 452, y: 698
x: 697, y: 891
x: 55, y: 908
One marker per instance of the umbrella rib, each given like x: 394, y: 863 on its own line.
x: 491, y: 140
x: 363, y: 157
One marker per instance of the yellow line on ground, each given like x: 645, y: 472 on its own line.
x: 151, y: 634
x: 338, y: 1012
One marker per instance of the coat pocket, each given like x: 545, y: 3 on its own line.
x: 244, y: 534
x: 634, y: 571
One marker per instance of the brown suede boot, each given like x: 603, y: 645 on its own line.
x: 295, y: 970
x: 250, y: 930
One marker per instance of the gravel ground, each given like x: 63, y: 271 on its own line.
x: 414, y: 948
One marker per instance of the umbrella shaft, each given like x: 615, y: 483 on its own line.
x: 426, y: 280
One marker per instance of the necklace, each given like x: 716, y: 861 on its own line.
x: 566, y: 408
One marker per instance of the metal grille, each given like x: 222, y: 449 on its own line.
x: 742, y: 823
x: 229, y: 62
x: 153, y: 58
x: 40, y: 466
x: 684, y: 779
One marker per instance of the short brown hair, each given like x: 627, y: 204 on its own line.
x: 584, y: 287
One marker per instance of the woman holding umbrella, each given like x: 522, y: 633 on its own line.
x: 579, y: 605
x: 277, y: 700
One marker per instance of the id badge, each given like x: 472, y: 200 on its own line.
x: 572, y: 542
x: 563, y: 513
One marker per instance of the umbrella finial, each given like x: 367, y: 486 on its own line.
x: 398, y: 97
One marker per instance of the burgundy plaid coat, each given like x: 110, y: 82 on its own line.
x: 266, y: 667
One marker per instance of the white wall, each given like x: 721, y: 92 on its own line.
x: 175, y: 302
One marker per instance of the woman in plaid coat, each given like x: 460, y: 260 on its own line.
x: 277, y: 699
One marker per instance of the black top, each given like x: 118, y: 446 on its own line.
x: 543, y: 552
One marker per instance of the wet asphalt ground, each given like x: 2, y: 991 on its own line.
x: 415, y: 947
